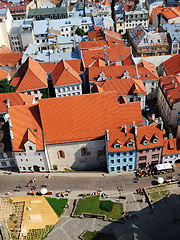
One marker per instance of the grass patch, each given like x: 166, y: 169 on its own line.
x: 39, y: 234
x: 158, y: 193
x: 57, y: 205
x: 97, y: 236
x: 92, y: 205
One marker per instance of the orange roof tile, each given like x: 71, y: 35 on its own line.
x: 149, y: 66
x: 96, y: 35
x: 147, y: 132
x: 168, y: 143
x: 99, y: 63
x: 92, y: 45
x: 29, y: 136
x: 10, y: 59
x: 172, y: 65
x: 5, y: 49
x: 28, y: 118
x: 3, y: 74
x: 121, y: 136
x: 115, y: 72
x: 64, y: 74
x: 85, y: 117
x: 76, y: 65
x: 48, y: 67
x: 31, y: 76
x: 125, y: 86
x: 171, y: 86
x: 114, y: 53
x: 15, y: 99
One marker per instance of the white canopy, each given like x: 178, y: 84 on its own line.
x: 43, y: 191
x: 160, y: 180
x: 163, y: 166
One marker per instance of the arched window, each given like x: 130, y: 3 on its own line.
x: 61, y: 154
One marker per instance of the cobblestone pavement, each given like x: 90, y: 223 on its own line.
x: 70, y: 228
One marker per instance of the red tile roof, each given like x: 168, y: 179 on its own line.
x: 64, y: 74
x: 149, y: 66
x: 171, y: 86
x: 115, y: 72
x: 119, y: 134
x: 30, y: 76
x: 48, y: 67
x: 147, y: 132
x: 172, y: 65
x: 28, y: 119
x: 85, y: 117
x: 115, y: 53
x: 10, y: 59
x: 5, y: 49
x: 76, y: 65
x: 126, y: 86
x: 15, y: 99
x: 92, y: 45
x: 171, y: 146
x: 3, y: 74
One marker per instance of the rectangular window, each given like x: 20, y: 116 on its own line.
x: 118, y: 161
x: 112, y: 169
x: 4, y: 164
x: 124, y: 159
x: 124, y: 153
x: 130, y: 153
x: 12, y: 163
x: 112, y: 154
x: 30, y: 148
x: 143, y: 158
x: 112, y: 161
x: 118, y: 154
x: 130, y: 167
x: 118, y: 168
x: 130, y: 159
x: 155, y: 156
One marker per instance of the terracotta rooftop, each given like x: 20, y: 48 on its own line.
x: 15, y: 99
x: 147, y: 132
x: 76, y: 65
x: 10, y: 59
x: 119, y: 134
x: 171, y: 146
x: 114, y: 53
x: 85, y: 117
x: 30, y: 76
x: 116, y: 72
x: 48, y: 67
x: 171, y: 86
x: 125, y: 86
x: 167, y: 12
x: 3, y: 74
x: 64, y: 74
x: 28, y: 120
x: 172, y: 65
x: 4, y: 49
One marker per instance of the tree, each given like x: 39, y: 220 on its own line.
x: 5, y: 87
x: 80, y: 32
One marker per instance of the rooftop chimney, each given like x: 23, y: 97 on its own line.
x: 153, y: 116
x: 107, y: 135
x: 7, y: 103
x: 175, y: 85
x: 125, y: 130
x: 170, y: 136
x: 135, y: 130
x: 161, y: 127
x: 172, y: 80
x: 133, y: 123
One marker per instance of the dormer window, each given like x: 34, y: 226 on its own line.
x: 117, y: 145
x: 145, y: 142
x: 130, y: 144
x: 155, y: 140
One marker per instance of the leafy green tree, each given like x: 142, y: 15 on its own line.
x: 5, y: 87
x: 80, y: 32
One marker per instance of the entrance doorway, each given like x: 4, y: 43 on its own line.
x: 124, y: 168
x: 36, y: 168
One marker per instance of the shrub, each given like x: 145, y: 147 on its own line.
x: 106, y: 205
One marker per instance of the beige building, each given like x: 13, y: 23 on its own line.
x: 168, y: 100
x: 5, y: 26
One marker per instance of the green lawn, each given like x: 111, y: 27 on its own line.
x: 92, y: 205
x: 57, y: 205
x: 158, y: 193
x: 97, y: 236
